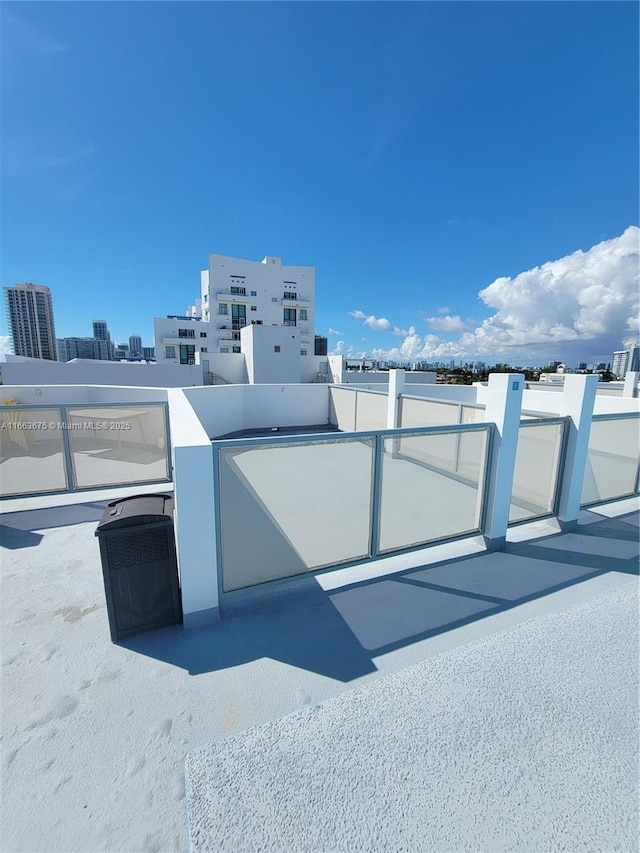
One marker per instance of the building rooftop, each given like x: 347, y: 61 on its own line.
x: 495, y: 699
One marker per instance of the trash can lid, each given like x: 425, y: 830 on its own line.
x: 135, y: 511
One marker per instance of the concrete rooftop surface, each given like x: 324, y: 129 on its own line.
x: 495, y: 705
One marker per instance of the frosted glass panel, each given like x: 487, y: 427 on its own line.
x: 536, y: 470
x: 31, y: 451
x: 612, y: 462
x: 473, y: 415
x: 432, y: 487
x: 118, y: 444
x: 424, y: 413
x: 288, y: 508
x: 371, y: 410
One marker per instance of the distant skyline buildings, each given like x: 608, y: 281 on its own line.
x: 135, y: 346
x: 92, y: 348
x: 623, y: 361
x: 30, y: 317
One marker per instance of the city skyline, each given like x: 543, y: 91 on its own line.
x: 463, y: 177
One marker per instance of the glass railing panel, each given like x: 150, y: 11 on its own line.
x: 612, y: 462
x: 31, y: 451
x: 371, y: 410
x: 114, y: 445
x: 472, y: 414
x: 342, y: 408
x: 432, y: 487
x: 289, y: 508
x: 423, y: 413
x: 535, y: 475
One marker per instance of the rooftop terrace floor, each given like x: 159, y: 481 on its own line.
x: 95, y: 735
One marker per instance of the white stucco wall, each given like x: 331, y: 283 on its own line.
x: 272, y: 353
x: 41, y: 395
x: 192, y: 457
x: 229, y: 408
x: 88, y: 372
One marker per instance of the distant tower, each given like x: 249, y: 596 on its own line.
x: 30, y: 315
x: 101, y: 333
x: 320, y: 345
x: 620, y: 363
x: 135, y: 346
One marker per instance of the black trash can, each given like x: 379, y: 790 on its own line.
x: 139, y: 565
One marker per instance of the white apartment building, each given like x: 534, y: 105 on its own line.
x: 238, y: 293
x: 179, y: 339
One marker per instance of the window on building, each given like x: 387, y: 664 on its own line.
x: 254, y: 307
x: 289, y: 294
x: 276, y: 348
x: 274, y: 298
x: 304, y: 314
x: 289, y: 317
x: 238, y: 316
x: 254, y: 292
x: 224, y: 349
x: 203, y: 334
x: 303, y: 352
x: 223, y: 308
x: 203, y: 349
x: 186, y: 333
x: 239, y: 291
x: 236, y: 349
x: 187, y: 354
x: 169, y: 352
x: 256, y: 322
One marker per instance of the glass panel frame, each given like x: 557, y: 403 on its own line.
x: 116, y: 435
x: 416, y: 412
x: 439, y: 460
x: 32, y: 433
x: 534, y: 490
x: 315, y: 513
x: 612, y: 475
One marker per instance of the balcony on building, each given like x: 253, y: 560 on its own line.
x: 232, y: 294
x: 290, y: 297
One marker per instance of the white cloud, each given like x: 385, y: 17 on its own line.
x: 334, y: 332
x: 5, y: 345
x: 377, y: 324
x: 583, y: 305
x: 447, y: 323
x: 380, y: 324
x: 338, y: 348
x: 444, y: 310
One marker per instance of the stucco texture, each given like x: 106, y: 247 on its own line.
x: 525, y: 741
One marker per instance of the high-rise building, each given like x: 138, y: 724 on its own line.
x: 236, y: 293
x: 101, y: 333
x: 135, y: 346
x: 320, y: 345
x: 625, y: 360
x: 69, y: 348
x: 30, y: 315
x: 619, y: 363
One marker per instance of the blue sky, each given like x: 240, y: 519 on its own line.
x: 440, y: 164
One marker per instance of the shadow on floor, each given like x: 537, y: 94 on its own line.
x: 55, y: 516
x: 13, y: 538
x: 339, y: 633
